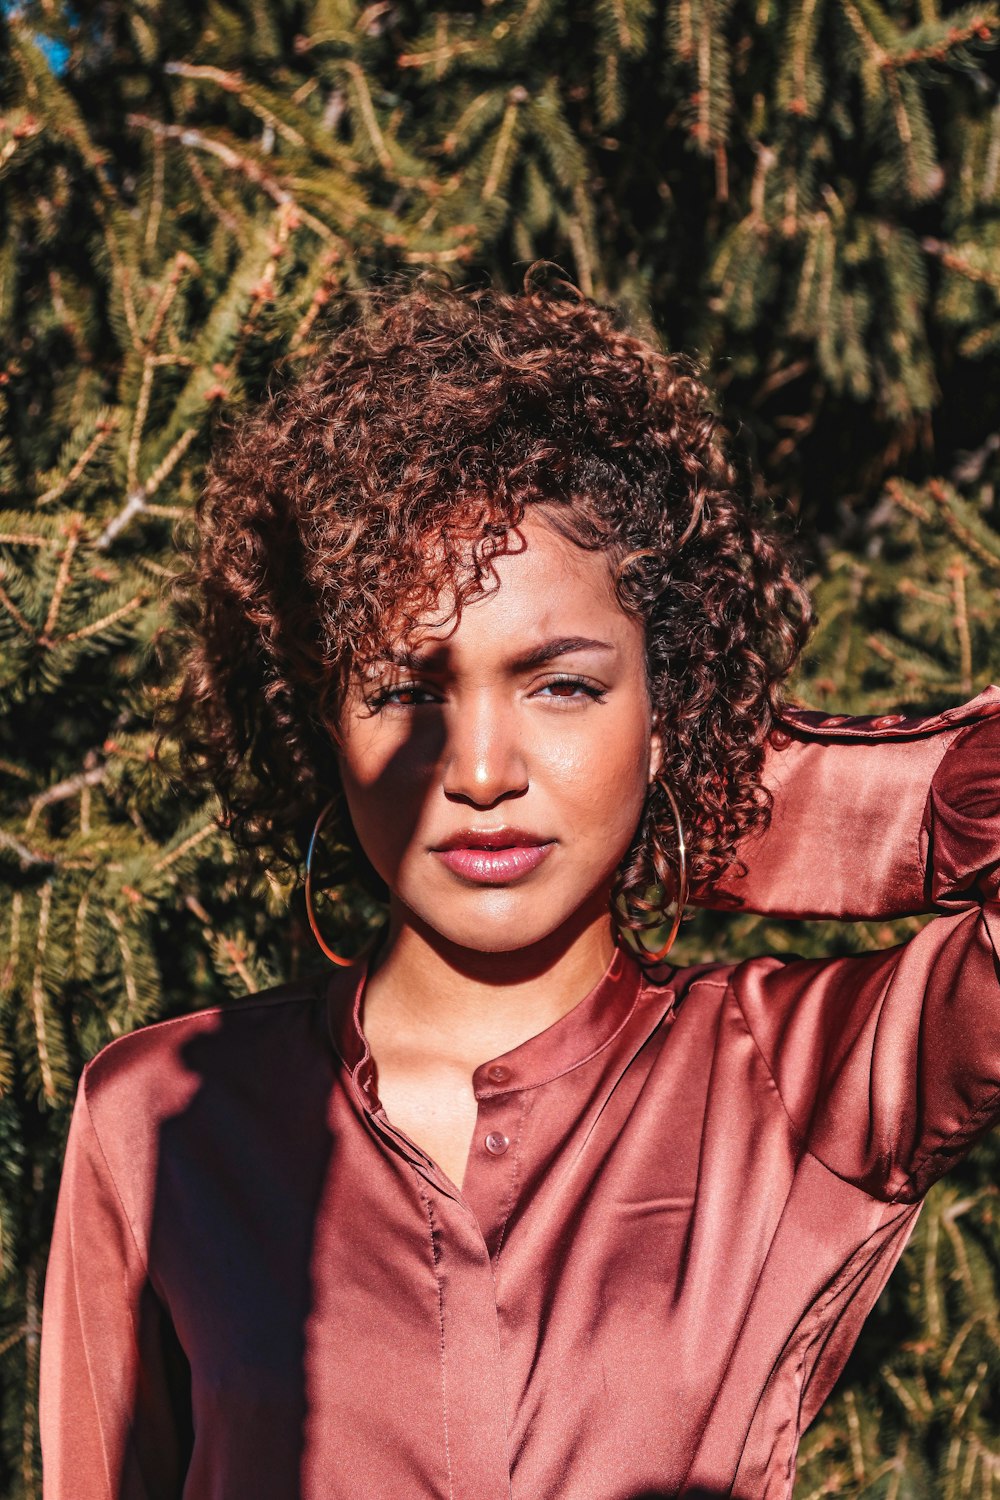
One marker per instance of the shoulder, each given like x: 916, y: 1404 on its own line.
x: 708, y: 981
x: 151, y: 1070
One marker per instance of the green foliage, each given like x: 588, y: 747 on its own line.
x: 803, y: 191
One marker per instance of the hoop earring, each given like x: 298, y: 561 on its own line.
x: 333, y: 957
x: 682, y: 880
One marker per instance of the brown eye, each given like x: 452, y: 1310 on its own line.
x: 407, y: 695
x: 566, y: 688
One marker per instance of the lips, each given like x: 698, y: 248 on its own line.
x: 495, y: 856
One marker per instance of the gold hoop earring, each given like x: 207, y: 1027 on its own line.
x: 333, y: 957
x: 680, y: 900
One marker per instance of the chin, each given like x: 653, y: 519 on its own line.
x: 503, y: 920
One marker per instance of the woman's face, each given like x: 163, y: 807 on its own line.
x: 495, y: 771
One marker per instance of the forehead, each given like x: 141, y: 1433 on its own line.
x: 545, y: 584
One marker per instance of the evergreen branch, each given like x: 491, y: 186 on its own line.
x: 56, y: 491
x: 949, y: 506
x: 458, y: 255
x: 122, y: 273
x: 234, y: 83
x: 94, y: 628
x: 504, y: 140
x: 801, y: 30
x: 7, y: 602
x: 38, y: 996
x: 236, y: 956
x: 488, y: 104
x: 234, y: 160
x: 128, y: 973
x: 437, y: 56
x: 25, y: 539
x: 968, y: 1395
x: 981, y: 28
x: 580, y: 241
x: 364, y: 98
x: 330, y: 272
x: 957, y: 573
x: 156, y: 196
x: 11, y: 1340
x: 70, y: 323
x: 913, y: 665
x: 955, y: 1347
x: 9, y: 768
x: 26, y: 128
x: 13, y: 952
x: 138, y: 423
x: 73, y: 528
x: 61, y: 790
x: 169, y: 462
x: 228, y: 220
x: 906, y: 502
x: 172, y: 856
x: 183, y: 265
x: 854, y: 1436
x: 961, y: 264
x: 135, y: 502
x: 29, y: 857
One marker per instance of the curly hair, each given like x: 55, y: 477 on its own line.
x: 398, y: 464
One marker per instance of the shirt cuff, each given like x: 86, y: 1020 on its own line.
x: 872, y: 817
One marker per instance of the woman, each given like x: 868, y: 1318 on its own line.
x: 506, y: 1208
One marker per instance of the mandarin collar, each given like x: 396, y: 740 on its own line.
x: 567, y: 1043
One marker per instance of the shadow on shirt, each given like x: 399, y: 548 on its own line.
x: 222, y: 1403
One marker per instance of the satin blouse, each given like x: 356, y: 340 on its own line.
x: 681, y: 1201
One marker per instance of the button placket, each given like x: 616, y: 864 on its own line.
x: 496, y: 1141
x: 489, y: 1186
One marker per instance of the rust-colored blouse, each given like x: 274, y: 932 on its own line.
x: 681, y: 1201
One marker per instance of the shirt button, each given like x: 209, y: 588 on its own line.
x: 496, y: 1143
x: 834, y: 719
x: 886, y: 721
x: 498, y: 1073
x: 780, y: 739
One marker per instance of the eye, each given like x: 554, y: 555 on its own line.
x: 565, y: 689
x: 402, y: 695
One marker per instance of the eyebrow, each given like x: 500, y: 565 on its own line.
x: 562, y: 645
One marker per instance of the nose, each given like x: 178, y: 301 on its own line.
x: 483, y: 763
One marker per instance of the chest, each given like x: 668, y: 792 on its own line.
x: 434, y: 1107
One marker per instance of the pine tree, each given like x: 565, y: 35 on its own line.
x: 805, y: 193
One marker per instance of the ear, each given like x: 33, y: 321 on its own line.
x: 655, y: 753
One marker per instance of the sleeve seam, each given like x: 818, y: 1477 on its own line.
x: 799, y: 1134
x: 111, y: 1178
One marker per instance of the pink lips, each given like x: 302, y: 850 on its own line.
x: 494, y: 859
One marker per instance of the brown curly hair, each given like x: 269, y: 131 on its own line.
x: 397, y: 464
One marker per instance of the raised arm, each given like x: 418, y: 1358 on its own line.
x: 114, y: 1414
x: 854, y: 813
x: 888, y: 1063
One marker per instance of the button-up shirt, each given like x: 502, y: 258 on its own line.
x: 681, y: 1200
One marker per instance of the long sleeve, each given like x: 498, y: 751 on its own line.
x: 853, y: 815
x: 888, y: 1064
x: 113, y: 1414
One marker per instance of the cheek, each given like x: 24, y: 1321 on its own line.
x: 388, y: 779
x: 600, y: 779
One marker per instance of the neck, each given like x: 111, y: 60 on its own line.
x: 467, y: 1005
